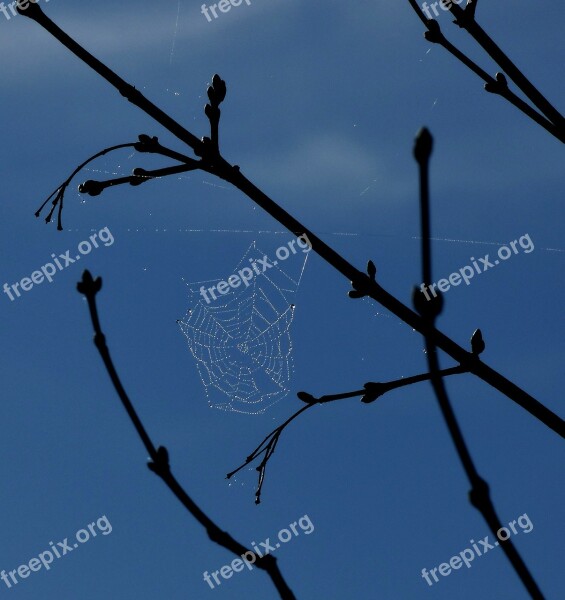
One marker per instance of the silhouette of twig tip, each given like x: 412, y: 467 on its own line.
x: 356, y: 294
x: 28, y: 8
x: 306, y: 397
x: 477, y: 343
x: 217, y: 91
x: 146, y: 143
x: 91, y: 187
x: 89, y: 286
x: 423, y: 145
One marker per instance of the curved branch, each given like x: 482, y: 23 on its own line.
x: 370, y: 392
x: 59, y: 193
x: 145, y: 144
x: 159, y: 463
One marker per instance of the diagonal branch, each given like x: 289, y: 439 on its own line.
x: 364, y: 284
x: 370, y: 392
x: 494, y: 85
x: 367, y: 286
x: 34, y: 12
x: 159, y: 463
x: 497, y: 85
x: 479, y: 494
x: 465, y: 18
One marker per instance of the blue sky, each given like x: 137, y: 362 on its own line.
x: 323, y: 102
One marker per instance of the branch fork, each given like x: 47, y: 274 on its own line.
x: 546, y: 115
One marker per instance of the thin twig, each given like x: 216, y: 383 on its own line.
x: 61, y: 189
x: 267, y: 447
x: 479, y: 494
x: 159, y: 463
x: 145, y: 144
x: 94, y: 187
x: 370, y: 392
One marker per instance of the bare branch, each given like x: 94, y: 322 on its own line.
x: 59, y: 192
x: 363, y: 284
x: 145, y: 144
x: 159, y: 463
x: 370, y: 392
x: 267, y: 447
x: 496, y: 85
x: 34, y: 12
x: 369, y: 287
x: 479, y: 494
x: 232, y: 174
x: 93, y: 187
x: 465, y: 18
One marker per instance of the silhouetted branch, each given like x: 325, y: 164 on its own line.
x: 59, y: 193
x: 216, y: 94
x: 479, y: 494
x: 34, y: 12
x: 159, y: 462
x: 465, y: 18
x: 553, y: 122
x: 267, y: 446
x: 370, y: 392
x: 93, y: 187
x: 366, y: 285
x: 145, y: 144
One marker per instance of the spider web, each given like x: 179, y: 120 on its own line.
x: 241, y: 341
